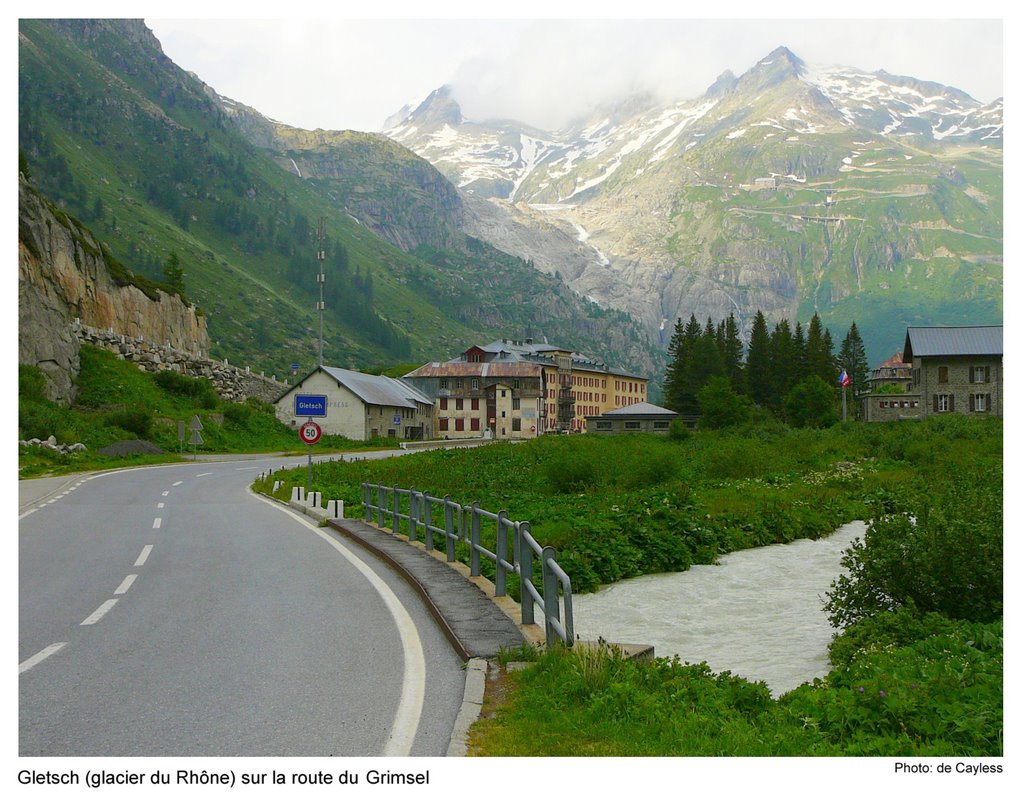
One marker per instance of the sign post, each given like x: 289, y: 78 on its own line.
x: 196, y: 439
x: 310, y: 433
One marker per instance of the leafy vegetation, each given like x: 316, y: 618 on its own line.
x: 918, y: 670
x: 911, y: 687
x: 116, y: 401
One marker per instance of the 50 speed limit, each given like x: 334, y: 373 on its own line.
x: 310, y: 432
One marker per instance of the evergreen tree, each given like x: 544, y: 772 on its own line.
x: 781, y: 362
x: 798, y: 357
x: 853, y: 359
x: 174, y: 273
x: 705, y: 363
x: 732, y: 355
x: 678, y: 356
x: 758, y: 368
x: 820, y: 360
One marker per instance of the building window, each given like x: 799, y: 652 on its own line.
x: 443, y: 384
x: 517, y: 425
x: 458, y: 384
x: 444, y: 404
x: 515, y: 403
x: 981, y: 402
x: 474, y: 424
x: 603, y: 424
x: 474, y: 404
x: 943, y: 403
x: 979, y: 374
x: 460, y: 424
x: 515, y: 384
x: 632, y: 425
x: 943, y: 373
x: 475, y: 384
x: 503, y: 393
x: 661, y: 424
x: 442, y: 424
x: 459, y: 403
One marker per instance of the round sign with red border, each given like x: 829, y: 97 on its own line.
x: 310, y: 432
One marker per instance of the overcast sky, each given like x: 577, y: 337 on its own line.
x: 335, y: 73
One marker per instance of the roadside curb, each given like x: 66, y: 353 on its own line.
x: 472, y: 704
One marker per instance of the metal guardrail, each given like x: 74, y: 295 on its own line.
x: 463, y: 523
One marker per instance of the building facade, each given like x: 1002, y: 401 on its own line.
x: 945, y: 369
x: 514, y: 389
x: 633, y: 419
x: 956, y: 369
x: 360, y: 406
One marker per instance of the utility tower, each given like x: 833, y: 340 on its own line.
x: 321, y: 278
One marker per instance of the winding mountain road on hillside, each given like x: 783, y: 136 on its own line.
x: 170, y: 611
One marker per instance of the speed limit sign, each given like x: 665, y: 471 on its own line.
x: 310, y: 432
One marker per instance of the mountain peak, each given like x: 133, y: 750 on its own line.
x: 437, y: 109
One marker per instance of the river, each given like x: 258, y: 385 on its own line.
x: 758, y: 613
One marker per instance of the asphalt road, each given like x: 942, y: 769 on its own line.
x: 169, y: 611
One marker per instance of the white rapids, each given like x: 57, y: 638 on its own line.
x: 757, y: 614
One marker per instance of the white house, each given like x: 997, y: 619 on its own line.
x: 357, y: 406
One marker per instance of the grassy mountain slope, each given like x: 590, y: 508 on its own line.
x: 125, y: 140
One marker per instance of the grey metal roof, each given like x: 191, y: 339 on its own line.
x: 945, y: 341
x: 641, y: 408
x: 380, y: 390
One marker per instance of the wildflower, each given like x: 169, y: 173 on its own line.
x: 861, y: 689
x: 881, y: 693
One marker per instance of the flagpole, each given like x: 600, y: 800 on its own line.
x: 844, y: 404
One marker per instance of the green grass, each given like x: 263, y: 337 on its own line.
x: 116, y: 401
x: 911, y: 687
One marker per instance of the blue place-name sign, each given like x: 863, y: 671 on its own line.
x: 310, y: 406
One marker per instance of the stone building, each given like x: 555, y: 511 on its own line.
x: 945, y: 369
x: 360, y: 406
x: 956, y: 369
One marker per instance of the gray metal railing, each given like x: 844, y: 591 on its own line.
x: 415, y: 512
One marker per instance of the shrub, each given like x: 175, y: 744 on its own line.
x: 237, y: 414
x: 197, y: 388
x: 811, y: 404
x: 139, y: 422
x: 721, y: 406
x: 678, y: 431
x: 32, y: 383
x: 570, y: 474
x: 942, y: 553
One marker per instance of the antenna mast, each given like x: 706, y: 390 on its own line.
x: 321, y: 278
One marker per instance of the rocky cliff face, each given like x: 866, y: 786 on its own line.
x: 63, y: 274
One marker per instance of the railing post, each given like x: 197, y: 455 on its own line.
x: 381, y: 506
x: 501, y: 554
x: 525, y: 575
x: 428, y: 534
x: 413, y: 514
x: 474, y: 540
x: 551, y: 612
x: 396, y: 508
x: 366, y: 501
x: 449, y: 529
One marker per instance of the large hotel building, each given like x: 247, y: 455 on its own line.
x: 522, y: 389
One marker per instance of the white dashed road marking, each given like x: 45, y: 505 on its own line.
x: 100, y: 612
x: 126, y: 583
x: 40, y: 656
x: 143, y: 555
x: 156, y: 523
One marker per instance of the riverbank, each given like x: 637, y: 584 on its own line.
x: 756, y: 613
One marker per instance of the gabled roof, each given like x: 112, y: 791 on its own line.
x: 639, y: 409
x: 380, y: 390
x: 947, y: 341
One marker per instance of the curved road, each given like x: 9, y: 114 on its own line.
x: 169, y: 611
